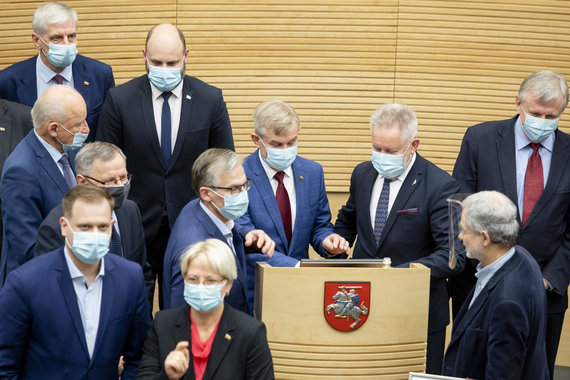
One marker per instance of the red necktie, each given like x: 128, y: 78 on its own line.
x: 533, y: 182
x: 58, y: 79
x: 284, y: 204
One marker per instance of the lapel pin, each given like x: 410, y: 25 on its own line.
x: 2, y: 129
x: 301, y: 177
x: 414, y: 182
x: 188, y: 97
x: 228, y: 337
x: 85, y: 83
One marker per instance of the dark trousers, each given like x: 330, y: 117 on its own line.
x: 155, y: 254
x: 554, y: 323
x: 435, y: 348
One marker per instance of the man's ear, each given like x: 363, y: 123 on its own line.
x: 205, y: 194
x: 63, y: 225
x: 486, y: 238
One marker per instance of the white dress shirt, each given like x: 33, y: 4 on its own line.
x: 175, y: 103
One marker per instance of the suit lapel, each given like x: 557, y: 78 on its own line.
x: 47, y: 163
x: 185, y: 120
x: 365, y: 192
x: 221, y: 344
x: 68, y: 292
x: 82, y: 82
x: 148, y: 119
x: 301, y: 200
x: 107, y: 302
x: 507, y: 160
x: 182, y: 333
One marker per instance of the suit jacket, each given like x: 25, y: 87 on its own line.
x: 194, y: 225
x: 31, y: 186
x: 132, y: 238
x: 487, y: 161
x: 501, y: 336
x: 127, y: 120
x: 15, y: 123
x: 91, y: 78
x: 245, y: 355
x: 42, y: 335
x: 416, y: 229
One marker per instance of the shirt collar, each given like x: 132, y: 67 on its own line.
x: 225, y: 228
x: 54, y: 153
x: 176, y: 91
x: 485, y: 273
x: 270, y: 171
x: 74, y: 271
x: 521, y: 141
x: 46, y: 74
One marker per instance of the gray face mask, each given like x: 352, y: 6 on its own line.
x: 120, y: 193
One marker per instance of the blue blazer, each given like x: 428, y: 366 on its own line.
x: 501, y: 336
x: 192, y: 226
x: 31, y: 186
x: 416, y: 229
x: 487, y: 161
x: 127, y: 120
x: 91, y: 78
x: 49, y: 238
x: 42, y: 335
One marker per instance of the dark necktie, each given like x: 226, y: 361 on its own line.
x: 115, y: 245
x: 165, y: 133
x: 284, y: 204
x: 382, y: 210
x: 533, y: 182
x: 58, y: 79
x: 67, y: 172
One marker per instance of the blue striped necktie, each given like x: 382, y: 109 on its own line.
x: 382, y: 210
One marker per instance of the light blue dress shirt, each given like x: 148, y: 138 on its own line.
x: 484, y: 274
x: 44, y: 76
x: 225, y: 228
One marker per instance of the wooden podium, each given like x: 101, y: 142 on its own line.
x: 388, y: 342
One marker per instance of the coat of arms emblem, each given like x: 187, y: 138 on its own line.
x: 346, y: 304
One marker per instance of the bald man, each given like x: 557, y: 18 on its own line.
x: 39, y: 172
x: 163, y: 121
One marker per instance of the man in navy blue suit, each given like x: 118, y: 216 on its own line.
x: 398, y: 208
x: 72, y: 313
x: 163, y: 121
x: 104, y: 165
x: 499, y: 331
x: 528, y: 159
x: 39, y: 172
x: 219, y: 180
x: 55, y: 36
x: 304, y: 218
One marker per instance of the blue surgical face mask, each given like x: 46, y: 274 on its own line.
x: 538, y: 129
x: 164, y: 78
x: 78, y: 140
x: 389, y: 165
x: 203, y: 298
x: 89, y: 247
x: 235, y: 205
x: 280, y: 158
x: 60, y: 55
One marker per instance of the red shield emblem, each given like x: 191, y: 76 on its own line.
x: 347, y: 304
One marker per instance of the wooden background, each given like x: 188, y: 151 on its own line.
x: 455, y: 62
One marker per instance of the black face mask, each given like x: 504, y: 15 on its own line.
x: 120, y: 193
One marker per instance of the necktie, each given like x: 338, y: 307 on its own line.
x: 165, y: 133
x: 115, y: 246
x: 284, y: 204
x: 382, y: 210
x: 58, y: 79
x: 533, y: 182
x: 67, y: 172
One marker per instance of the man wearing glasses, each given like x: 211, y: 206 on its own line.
x: 104, y: 165
x: 220, y: 182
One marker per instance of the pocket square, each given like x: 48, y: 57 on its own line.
x: 408, y: 211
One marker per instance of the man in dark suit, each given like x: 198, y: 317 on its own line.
x: 398, y: 208
x: 72, y: 313
x: 104, y: 165
x: 219, y: 180
x: 39, y: 172
x: 15, y: 123
x: 55, y: 36
x: 500, y: 329
x: 163, y: 138
x: 527, y: 158
x: 288, y: 199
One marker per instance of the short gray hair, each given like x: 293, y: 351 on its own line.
x: 52, y: 106
x: 103, y: 151
x: 546, y: 85
x: 52, y: 13
x: 214, y: 254
x: 274, y: 114
x: 400, y: 115
x: 210, y: 164
x: 493, y: 212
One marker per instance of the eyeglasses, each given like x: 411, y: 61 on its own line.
x: 121, y: 181
x: 235, y: 189
x: 208, y: 281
